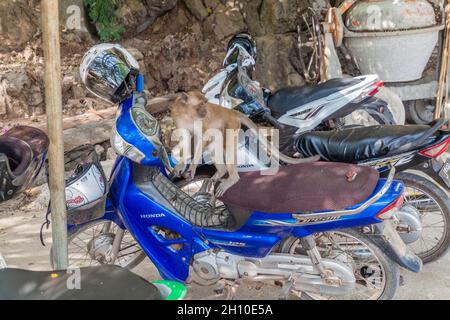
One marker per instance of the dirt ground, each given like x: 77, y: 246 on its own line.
x: 21, y: 248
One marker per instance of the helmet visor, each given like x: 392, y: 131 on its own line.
x: 238, y: 54
x: 106, y: 73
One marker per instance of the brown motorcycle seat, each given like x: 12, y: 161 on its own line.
x: 303, y: 188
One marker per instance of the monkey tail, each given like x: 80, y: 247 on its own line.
x: 276, y: 153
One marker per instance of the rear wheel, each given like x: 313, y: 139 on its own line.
x: 433, y: 208
x: 377, y: 275
x: 420, y: 111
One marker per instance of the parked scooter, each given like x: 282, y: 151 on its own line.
x: 234, y: 88
x: 413, y: 147
x: 305, y: 108
x: 425, y: 217
x: 23, y: 151
x: 275, y: 235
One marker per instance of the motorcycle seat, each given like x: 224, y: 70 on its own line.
x: 105, y: 282
x: 303, y: 188
x: 363, y: 143
x: 289, y: 98
x: 16, y: 154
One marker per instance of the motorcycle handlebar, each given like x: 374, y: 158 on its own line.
x: 267, y: 116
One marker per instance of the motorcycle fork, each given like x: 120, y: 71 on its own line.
x: 116, y: 244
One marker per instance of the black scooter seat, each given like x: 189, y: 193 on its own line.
x: 364, y: 143
x: 96, y: 283
x: 289, y: 98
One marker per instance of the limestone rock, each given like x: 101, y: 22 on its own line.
x: 73, y: 16
x: 35, y: 96
x: 226, y: 21
x: 17, y: 81
x: 197, y: 9
x: 137, y: 15
x: 281, y: 16
x: 18, y: 24
x: 274, y: 69
x: 135, y: 53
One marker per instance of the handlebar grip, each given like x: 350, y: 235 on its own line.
x: 267, y: 116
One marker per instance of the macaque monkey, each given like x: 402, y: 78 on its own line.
x: 191, y: 107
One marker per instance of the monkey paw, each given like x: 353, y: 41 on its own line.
x: 178, y: 170
x: 223, y: 187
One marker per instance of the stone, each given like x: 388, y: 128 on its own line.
x: 197, y: 9
x: 35, y: 96
x: 18, y: 24
x: 17, y: 81
x: 99, y: 150
x: 78, y: 92
x: 28, y: 53
x: 213, y: 5
x: 74, y: 17
x: 274, y: 69
x: 279, y: 17
x: 131, y: 14
x: 228, y: 22
x: 250, y: 12
x: 4, y: 98
x: 68, y: 82
x: 137, y: 15
x: 135, y: 53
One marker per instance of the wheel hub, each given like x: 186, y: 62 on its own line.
x: 410, y: 225
x: 100, y: 247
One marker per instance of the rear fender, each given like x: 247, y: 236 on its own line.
x: 378, y: 109
x: 389, y: 240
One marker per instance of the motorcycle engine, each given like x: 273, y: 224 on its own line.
x: 209, y: 267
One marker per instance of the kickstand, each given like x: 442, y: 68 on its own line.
x: 286, y: 289
x: 229, y: 287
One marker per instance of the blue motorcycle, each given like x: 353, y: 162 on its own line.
x: 287, y: 230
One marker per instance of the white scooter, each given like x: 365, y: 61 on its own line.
x: 305, y: 108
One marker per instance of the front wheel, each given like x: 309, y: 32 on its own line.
x: 377, y: 275
x: 92, y: 245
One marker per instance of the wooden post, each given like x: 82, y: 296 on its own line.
x: 53, y: 101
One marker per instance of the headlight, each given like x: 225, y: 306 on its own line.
x: 147, y: 124
x: 125, y: 149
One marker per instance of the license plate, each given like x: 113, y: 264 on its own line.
x: 445, y: 172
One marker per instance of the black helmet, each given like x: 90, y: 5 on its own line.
x: 243, y: 40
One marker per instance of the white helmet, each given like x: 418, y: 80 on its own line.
x: 109, y: 71
x: 86, y: 186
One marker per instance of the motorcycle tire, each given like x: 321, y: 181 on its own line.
x: 443, y: 201
x: 72, y: 235
x: 391, y: 269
